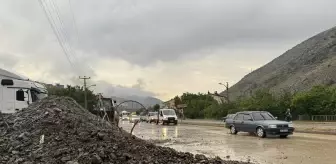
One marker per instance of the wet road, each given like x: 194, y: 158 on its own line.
x: 215, y: 141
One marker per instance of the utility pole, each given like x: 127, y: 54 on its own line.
x: 85, y: 89
x: 227, y: 90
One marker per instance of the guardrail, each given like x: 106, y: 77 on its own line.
x: 323, y: 117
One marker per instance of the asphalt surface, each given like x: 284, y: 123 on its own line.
x: 300, y: 126
x: 216, y: 141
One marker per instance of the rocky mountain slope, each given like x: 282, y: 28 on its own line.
x: 312, y: 62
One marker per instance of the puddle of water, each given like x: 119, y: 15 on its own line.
x: 299, y: 148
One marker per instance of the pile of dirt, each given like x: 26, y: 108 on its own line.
x: 58, y: 130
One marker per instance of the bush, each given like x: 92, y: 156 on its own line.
x: 320, y: 100
x: 75, y: 92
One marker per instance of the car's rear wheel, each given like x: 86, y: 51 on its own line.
x: 261, y: 132
x: 233, y: 130
x: 283, y: 136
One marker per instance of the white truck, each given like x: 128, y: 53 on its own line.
x: 17, y: 93
x: 167, y: 116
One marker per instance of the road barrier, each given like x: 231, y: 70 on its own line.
x: 327, y: 118
x: 304, y: 118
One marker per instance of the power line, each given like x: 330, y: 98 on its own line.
x: 54, y: 28
x: 57, y: 32
x: 52, y: 12
x: 62, y: 29
x: 74, y: 20
x: 77, y: 32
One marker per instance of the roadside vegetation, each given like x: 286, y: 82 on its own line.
x: 320, y: 100
x: 75, y: 92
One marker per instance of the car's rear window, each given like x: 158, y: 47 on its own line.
x: 257, y: 116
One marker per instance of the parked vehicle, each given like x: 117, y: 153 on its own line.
x: 143, y: 118
x: 228, y: 116
x: 260, y: 122
x: 125, y: 115
x: 105, y: 108
x: 17, y: 93
x: 134, y: 118
x: 167, y: 116
x: 152, y: 117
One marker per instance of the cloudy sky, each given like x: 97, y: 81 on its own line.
x: 158, y: 48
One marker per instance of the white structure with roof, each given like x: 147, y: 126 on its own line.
x: 17, y: 92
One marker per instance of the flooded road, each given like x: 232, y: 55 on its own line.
x: 215, y: 141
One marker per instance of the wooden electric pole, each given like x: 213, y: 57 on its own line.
x: 85, y: 89
x: 227, y: 91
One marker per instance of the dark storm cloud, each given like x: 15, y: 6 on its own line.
x: 150, y: 30
x: 119, y: 90
x: 143, y: 32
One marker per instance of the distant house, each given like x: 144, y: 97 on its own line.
x: 170, y: 104
x: 59, y: 85
x: 220, y: 98
x: 48, y: 85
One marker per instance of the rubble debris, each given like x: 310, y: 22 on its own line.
x: 72, y: 135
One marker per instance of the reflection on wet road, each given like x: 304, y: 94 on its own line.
x: 215, y: 141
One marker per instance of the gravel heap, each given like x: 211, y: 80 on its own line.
x: 58, y: 130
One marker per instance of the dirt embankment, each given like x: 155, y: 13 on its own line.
x: 57, y: 130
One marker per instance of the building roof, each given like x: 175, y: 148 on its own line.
x: 10, y: 74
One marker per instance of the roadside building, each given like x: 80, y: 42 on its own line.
x: 57, y: 85
x: 220, y: 98
x: 170, y: 104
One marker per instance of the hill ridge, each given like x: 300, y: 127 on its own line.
x: 311, y: 62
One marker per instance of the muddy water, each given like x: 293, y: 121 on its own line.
x: 215, y: 141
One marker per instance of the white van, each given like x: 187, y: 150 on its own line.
x: 167, y: 116
x: 125, y: 115
x: 17, y: 93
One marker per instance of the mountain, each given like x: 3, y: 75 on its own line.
x: 145, y: 101
x: 312, y: 62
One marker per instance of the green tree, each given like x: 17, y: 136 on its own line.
x: 156, y: 107
x: 196, y: 104
x: 177, y: 101
x: 320, y: 100
x: 75, y: 92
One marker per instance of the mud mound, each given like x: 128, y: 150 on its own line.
x: 58, y: 130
